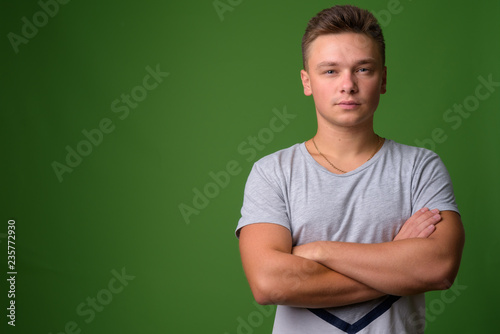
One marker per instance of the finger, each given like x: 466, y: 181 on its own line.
x: 427, y: 231
x: 418, y: 214
x: 417, y: 217
x: 417, y: 224
x: 423, y: 217
x: 413, y: 220
x: 428, y: 222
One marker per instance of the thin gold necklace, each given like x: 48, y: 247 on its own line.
x: 379, y: 140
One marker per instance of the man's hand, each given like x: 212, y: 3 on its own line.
x: 420, y: 225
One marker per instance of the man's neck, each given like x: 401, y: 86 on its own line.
x: 347, y: 149
x: 346, y: 142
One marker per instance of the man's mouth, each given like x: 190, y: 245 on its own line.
x: 348, y: 104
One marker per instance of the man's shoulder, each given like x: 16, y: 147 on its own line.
x: 407, y: 151
x: 412, y: 158
x: 283, y: 156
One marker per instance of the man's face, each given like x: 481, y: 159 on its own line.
x: 345, y: 77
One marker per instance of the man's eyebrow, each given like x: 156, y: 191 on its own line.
x: 366, y: 61
x: 326, y: 63
x: 359, y: 62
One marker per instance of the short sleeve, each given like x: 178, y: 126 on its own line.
x: 431, y: 184
x: 264, y: 198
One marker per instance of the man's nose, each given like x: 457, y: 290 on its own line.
x: 348, y: 84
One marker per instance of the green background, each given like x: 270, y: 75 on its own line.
x: 119, y: 207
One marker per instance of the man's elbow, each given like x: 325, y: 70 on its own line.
x: 267, y: 293
x: 443, y: 276
x: 449, y: 258
x: 445, y: 268
x: 262, y: 298
x: 447, y: 279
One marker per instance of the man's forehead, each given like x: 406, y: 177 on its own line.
x: 346, y: 39
x: 359, y: 48
x: 362, y: 61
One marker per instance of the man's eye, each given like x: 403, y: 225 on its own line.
x: 330, y: 72
x: 364, y: 69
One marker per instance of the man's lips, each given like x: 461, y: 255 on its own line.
x: 348, y: 104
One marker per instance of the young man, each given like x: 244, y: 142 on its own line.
x: 346, y: 231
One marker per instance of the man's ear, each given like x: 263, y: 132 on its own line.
x: 306, y: 82
x: 383, y: 87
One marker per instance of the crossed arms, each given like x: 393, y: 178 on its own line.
x: 424, y: 256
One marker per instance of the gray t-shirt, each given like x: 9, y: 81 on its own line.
x: 366, y: 205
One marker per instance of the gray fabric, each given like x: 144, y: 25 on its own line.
x: 367, y: 205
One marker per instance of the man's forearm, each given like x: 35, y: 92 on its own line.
x: 400, y: 267
x: 301, y: 282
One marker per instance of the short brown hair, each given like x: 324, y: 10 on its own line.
x: 339, y: 19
